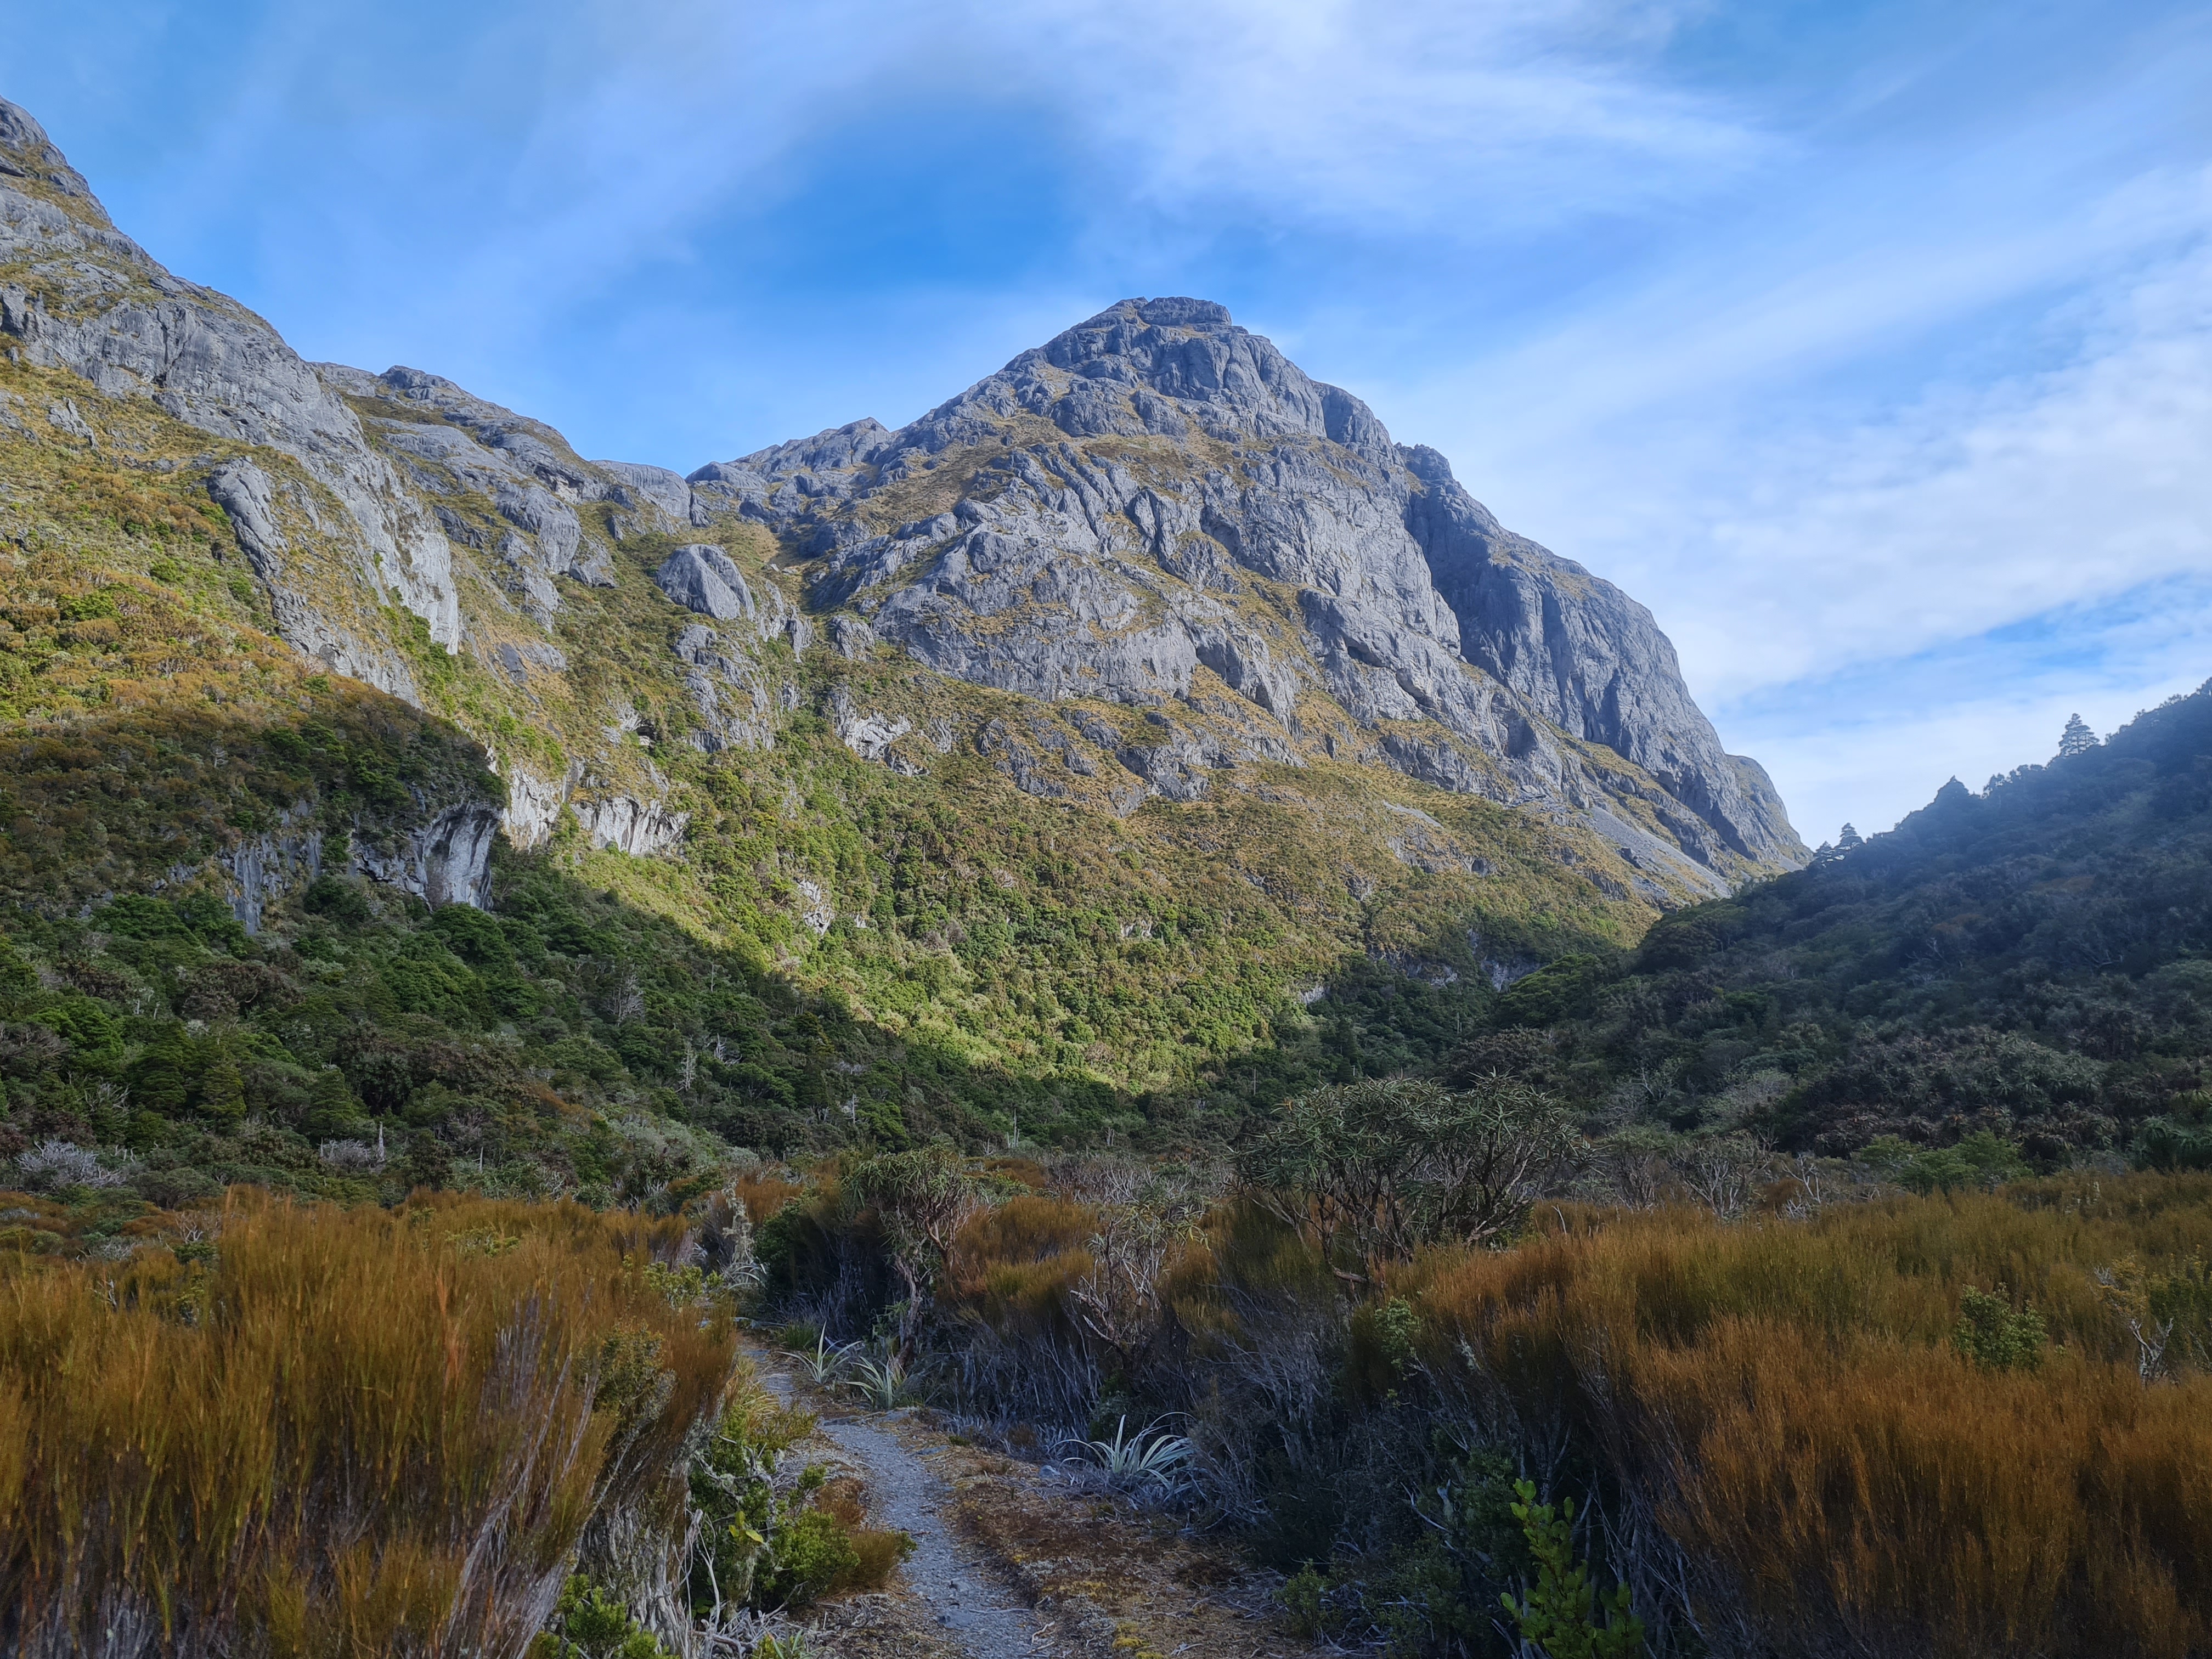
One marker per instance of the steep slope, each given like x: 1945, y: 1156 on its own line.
x: 331, y: 535
x: 1087, y: 753
x: 1157, y: 508
x: 2031, y: 961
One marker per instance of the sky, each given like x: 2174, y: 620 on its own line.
x: 1868, y: 343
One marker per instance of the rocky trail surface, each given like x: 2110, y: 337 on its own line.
x: 1013, y: 1560
x: 964, y: 1599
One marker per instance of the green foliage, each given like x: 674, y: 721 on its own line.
x: 1980, y: 1160
x: 2180, y: 1141
x: 918, y: 1199
x: 1995, y: 1337
x: 766, y: 1540
x: 588, y: 1624
x: 1563, y: 1613
x: 2007, y: 981
x: 1551, y: 993
x: 1303, y: 1597
x: 1381, y: 1169
x: 811, y: 1551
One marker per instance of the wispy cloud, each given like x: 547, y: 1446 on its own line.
x: 1877, y: 737
x: 1870, y: 345
x: 1395, y: 117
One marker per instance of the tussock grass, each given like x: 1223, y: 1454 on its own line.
x: 351, y: 1431
x: 1786, y: 1403
x: 1786, y: 1444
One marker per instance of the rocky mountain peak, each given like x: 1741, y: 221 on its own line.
x: 30, y: 161
x: 1195, y: 561
x: 1157, y: 502
x: 1167, y: 367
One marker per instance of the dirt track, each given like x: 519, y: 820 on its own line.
x: 1011, y: 1563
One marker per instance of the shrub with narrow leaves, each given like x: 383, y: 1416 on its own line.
x: 1996, y: 1338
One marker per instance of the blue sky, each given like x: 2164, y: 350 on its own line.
x: 1870, y: 346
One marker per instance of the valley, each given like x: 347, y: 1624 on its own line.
x: 1111, y: 1022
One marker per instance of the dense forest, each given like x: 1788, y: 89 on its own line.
x: 2019, y: 967
x: 2032, y: 961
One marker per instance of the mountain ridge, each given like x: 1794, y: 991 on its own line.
x: 1387, y: 565
x: 1215, y: 656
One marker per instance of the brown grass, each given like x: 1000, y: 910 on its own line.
x: 764, y: 1194
x: 355, y: 1432
x: 1012, y: 1268
x: 1785, y: 1401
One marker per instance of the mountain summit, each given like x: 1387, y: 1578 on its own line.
x: 1157, y: 491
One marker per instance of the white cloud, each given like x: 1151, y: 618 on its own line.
x: 1392, y: 117
x: 1974, y: 508
x: 1876, y: 740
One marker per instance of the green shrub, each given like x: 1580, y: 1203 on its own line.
x: 1980, y: 1161
x: 1996, y: 1338
x: 1562, y: 1613
x: 812, y: 1551
x: 587, y: 1624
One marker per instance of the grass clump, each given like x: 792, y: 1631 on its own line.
x: 340, y: 1430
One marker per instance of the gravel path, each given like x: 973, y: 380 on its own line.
x: 977, y: 1613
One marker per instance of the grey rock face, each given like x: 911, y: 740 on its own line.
x: 262, y: 868
x: 444, y: 861
x: 257, y: 506
x: 533, y: 807
x: 869, y: 734
x: 702, y: 578
x: 82, y: 296
x: 625, y: 823
x: 851, y: 638
x: 1583, y: 655
x: 736, y: 701
x: 484, y: 467
x: 1156, y: 499
x: 651, y: 497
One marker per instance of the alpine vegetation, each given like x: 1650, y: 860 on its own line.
x: 1109, y: 1023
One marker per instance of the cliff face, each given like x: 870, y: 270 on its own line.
x: 1150, y: 560
x: 1157, y: 505
x: 328, y: 526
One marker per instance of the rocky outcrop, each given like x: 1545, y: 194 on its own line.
x: 533, y: 807
x: 495, y: 480
x: 733, y: 697
x: 443, y: 860
x: 1158, y: 500
x: 868, y: 733
x: 625, y: 823
x: 80, y: 295
x: 264, y: 868
x: 702, y: 579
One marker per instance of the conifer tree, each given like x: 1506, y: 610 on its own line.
x: 1847, y: 838
x: 2078, y: 737
x: 222, y: 1090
